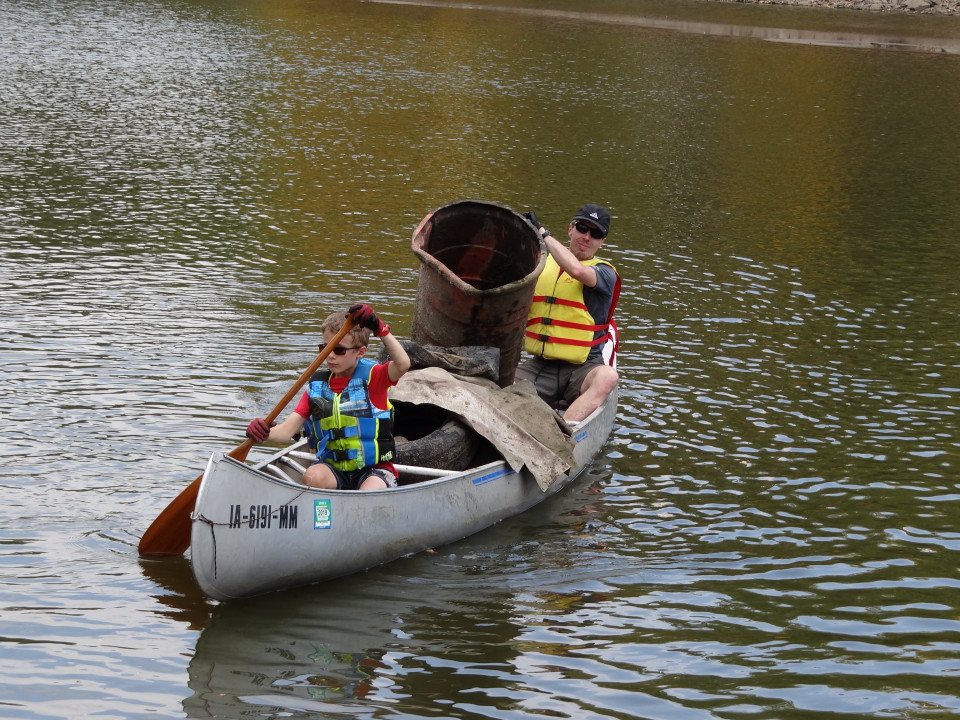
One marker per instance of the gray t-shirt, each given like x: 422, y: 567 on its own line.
x: 598, y: 299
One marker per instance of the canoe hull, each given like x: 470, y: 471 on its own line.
x: 254, y: 533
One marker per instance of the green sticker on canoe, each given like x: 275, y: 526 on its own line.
x: 322, y: 515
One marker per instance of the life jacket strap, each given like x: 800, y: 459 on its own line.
x: 568, y: 341
x: 552, y: 300
x: 564, y: 323
x: 344, y: 455
x: 343, y: 433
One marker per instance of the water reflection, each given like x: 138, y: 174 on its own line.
x: 540, y: 613
x: 180, y: 600
x: 325, y: 648
x: 189, y: 187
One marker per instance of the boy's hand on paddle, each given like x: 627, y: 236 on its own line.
x: 257, y: 430
x: 364, y: 316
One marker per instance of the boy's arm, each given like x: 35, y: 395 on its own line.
x: 399, y: 360
x: 284, y: 432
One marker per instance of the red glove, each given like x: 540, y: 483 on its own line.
x: 257, y: 430
x: 364, y: 316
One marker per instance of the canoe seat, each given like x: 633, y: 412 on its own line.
x: 278, y: 472
x: 293, y: 464
x: 298, y: 468
x: 424, y: 472
x: 292, y: 469
x: 413, y: 474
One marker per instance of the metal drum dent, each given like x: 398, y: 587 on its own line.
x: 479, y: 263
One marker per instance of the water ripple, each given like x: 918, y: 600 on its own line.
x: 189, y: 188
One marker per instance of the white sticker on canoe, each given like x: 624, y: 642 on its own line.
x: 322, y: 515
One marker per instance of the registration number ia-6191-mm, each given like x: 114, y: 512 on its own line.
x: 262, y: 517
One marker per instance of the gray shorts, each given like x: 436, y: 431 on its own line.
x: 558, y: 383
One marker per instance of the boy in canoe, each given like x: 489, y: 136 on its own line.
x: 345, y: 412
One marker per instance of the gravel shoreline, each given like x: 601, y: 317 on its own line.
x: 915, y: 7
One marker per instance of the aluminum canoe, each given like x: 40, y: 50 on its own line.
x: 257, y: 530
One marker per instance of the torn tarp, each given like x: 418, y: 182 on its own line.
x: 514, y: 419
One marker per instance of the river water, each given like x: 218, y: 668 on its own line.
x: 189, y: 186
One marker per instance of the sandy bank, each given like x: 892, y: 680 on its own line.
x: 924, y: 7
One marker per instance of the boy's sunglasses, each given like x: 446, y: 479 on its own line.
x: 582, y: 227
x: 340, y: 349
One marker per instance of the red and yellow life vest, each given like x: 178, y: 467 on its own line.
x: 559, y: 326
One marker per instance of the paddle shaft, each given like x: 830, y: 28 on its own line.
x: 169, y: 534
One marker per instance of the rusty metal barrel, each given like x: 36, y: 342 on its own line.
x: 479, y: 263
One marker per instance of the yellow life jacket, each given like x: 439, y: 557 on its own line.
x: 559, y: 326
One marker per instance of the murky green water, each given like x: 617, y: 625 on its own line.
x: 187, y: 187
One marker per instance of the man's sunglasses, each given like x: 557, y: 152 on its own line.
x: 582, y: 227
x: 340, y: 349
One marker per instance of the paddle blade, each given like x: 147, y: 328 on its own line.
x: 169, y: 534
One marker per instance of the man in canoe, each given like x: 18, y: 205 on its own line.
x: 345, y: 411
x: 571, y: 318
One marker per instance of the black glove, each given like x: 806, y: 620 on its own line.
x: 532, y: 217
x: 364, y: 316
x: 257, y: 430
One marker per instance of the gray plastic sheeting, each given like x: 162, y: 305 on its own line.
x: 514, y: 419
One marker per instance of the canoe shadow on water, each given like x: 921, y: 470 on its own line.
x: 181, y: 599
x: 321, y: 648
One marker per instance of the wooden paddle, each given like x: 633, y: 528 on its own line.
x: 169, y: 534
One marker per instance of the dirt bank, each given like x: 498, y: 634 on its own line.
x: 923, y: 7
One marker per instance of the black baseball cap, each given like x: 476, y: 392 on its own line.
x: 595, y: 215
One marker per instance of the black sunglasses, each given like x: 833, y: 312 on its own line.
x: 582, y: 227
x: 340, y: 349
